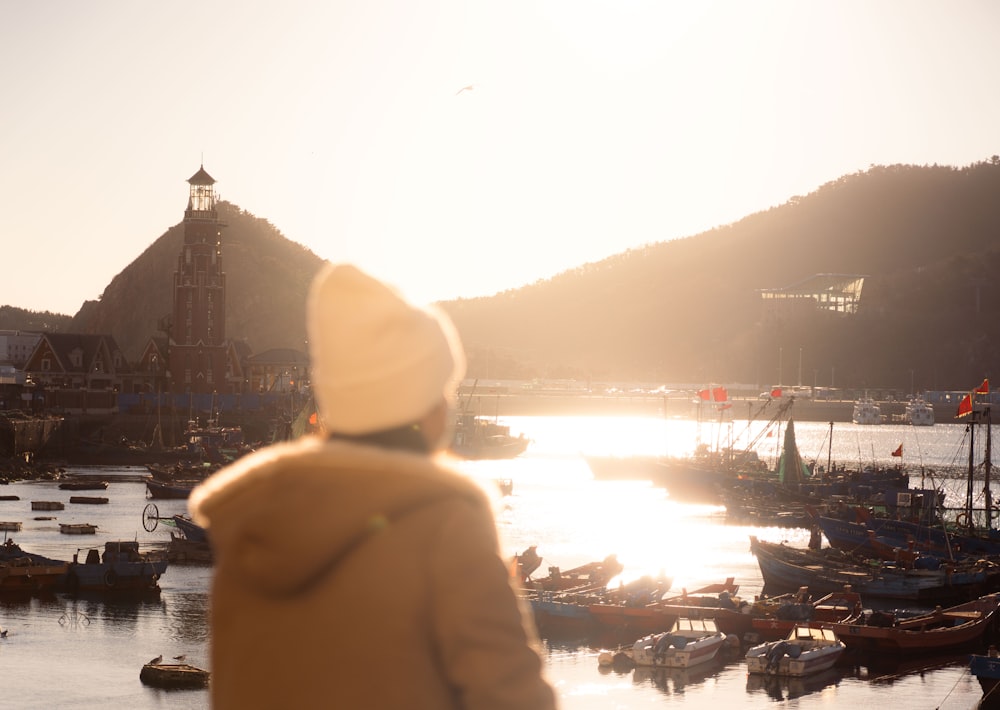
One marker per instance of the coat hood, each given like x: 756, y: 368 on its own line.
x: 282, y: 518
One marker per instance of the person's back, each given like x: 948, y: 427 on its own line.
x: 358, y: 570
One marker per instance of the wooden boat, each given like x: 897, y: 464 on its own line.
x: 568, y: 612
x: 713, y: 601
x: 938, y: 631
x: 477, y: 437
x: 77, y: 529
x: 122, y: 569
x: 986, y: 668
x: 183, y: 551
x: 482, y: 438
x: 688, y: 643
x: 83, y: 485
x: 25, y: 573
x: 89, y: 500
x: 830, y: 570
x: 806, y: 650
x: 174, y: 675
x: 157, y: 489
x: 592, y: 575
x: 882, y: 535
x: 10, y: 526
x: 776, y: 617
x: 47, y: 505
x: 10, y: 497
x: 192, y: 531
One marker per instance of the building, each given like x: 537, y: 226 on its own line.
x: 77, y: 372
x: 837, y: 293
x: 200, y: 359
x: 16, y: 346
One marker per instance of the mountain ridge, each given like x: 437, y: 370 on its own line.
x: 683, y: 310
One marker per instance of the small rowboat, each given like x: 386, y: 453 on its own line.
x: 90, y: 500
x: 83, y: 485
x: 174, y: 675
x: 77, y: 528
x: 47, y: 505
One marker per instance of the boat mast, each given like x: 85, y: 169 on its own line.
x: 987, y: 464
x: 972, y: 469
x: 829, y: 453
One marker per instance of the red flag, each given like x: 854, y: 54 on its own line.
x: 705, y: 394
x: 776, y: 392
x: 719, y: 394
x: 983, y: 388
x: 727, y: 405
x: 965, y: 406
x: 898, y: 451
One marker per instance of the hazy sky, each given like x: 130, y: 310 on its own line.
x: 591, y: 127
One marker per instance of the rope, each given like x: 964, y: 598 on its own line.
x: 962, y: 677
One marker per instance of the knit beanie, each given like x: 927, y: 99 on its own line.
x: 378, y: 362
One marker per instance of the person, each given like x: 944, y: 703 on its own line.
x: 358, y: 569
x: 528, y: 561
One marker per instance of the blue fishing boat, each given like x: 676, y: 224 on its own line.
x: 786, y: 568
x: 986, y: 668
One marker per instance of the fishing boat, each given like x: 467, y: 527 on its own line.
x: 919, y: 412
x: 688, y: 643
x: 179, y: 490
x: 481, y: 438
x: 866, y: 412
x: 938, y: 631
x: 568, y: 612
x: 807, y: 650
x: 788, y: 568
x: 713, y: 601
x: 26, y: 573
x: 911, y: 520
x: 986, y: 668
x: 774, y: 618
x: 122, y: 568
x: 477, y: 437
x: 174, y: 675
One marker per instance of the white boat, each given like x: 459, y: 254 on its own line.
x: 866, y: 412
x: 805, y: 651
x: 690, y: 642
x: 919, y: 412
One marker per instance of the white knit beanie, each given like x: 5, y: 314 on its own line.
x: 378, y: 362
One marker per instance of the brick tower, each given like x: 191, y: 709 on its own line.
x: 197, y: 345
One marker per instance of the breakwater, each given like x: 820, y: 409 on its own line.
x: 571, y: 404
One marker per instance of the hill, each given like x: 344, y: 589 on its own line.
x: 687, y: 310
x: 267, y: 279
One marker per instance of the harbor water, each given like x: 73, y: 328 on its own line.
x: 65, y: 653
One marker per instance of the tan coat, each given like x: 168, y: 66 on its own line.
x: 350, y: 576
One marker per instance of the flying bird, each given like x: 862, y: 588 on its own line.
x: 470, y: 87
x: 155, y: 660
x: 180, y: 657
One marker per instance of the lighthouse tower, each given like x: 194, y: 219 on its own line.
x: 198, y: 351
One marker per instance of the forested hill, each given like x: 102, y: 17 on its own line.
x: 688, y: 310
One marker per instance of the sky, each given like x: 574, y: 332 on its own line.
x: 587, y: 128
